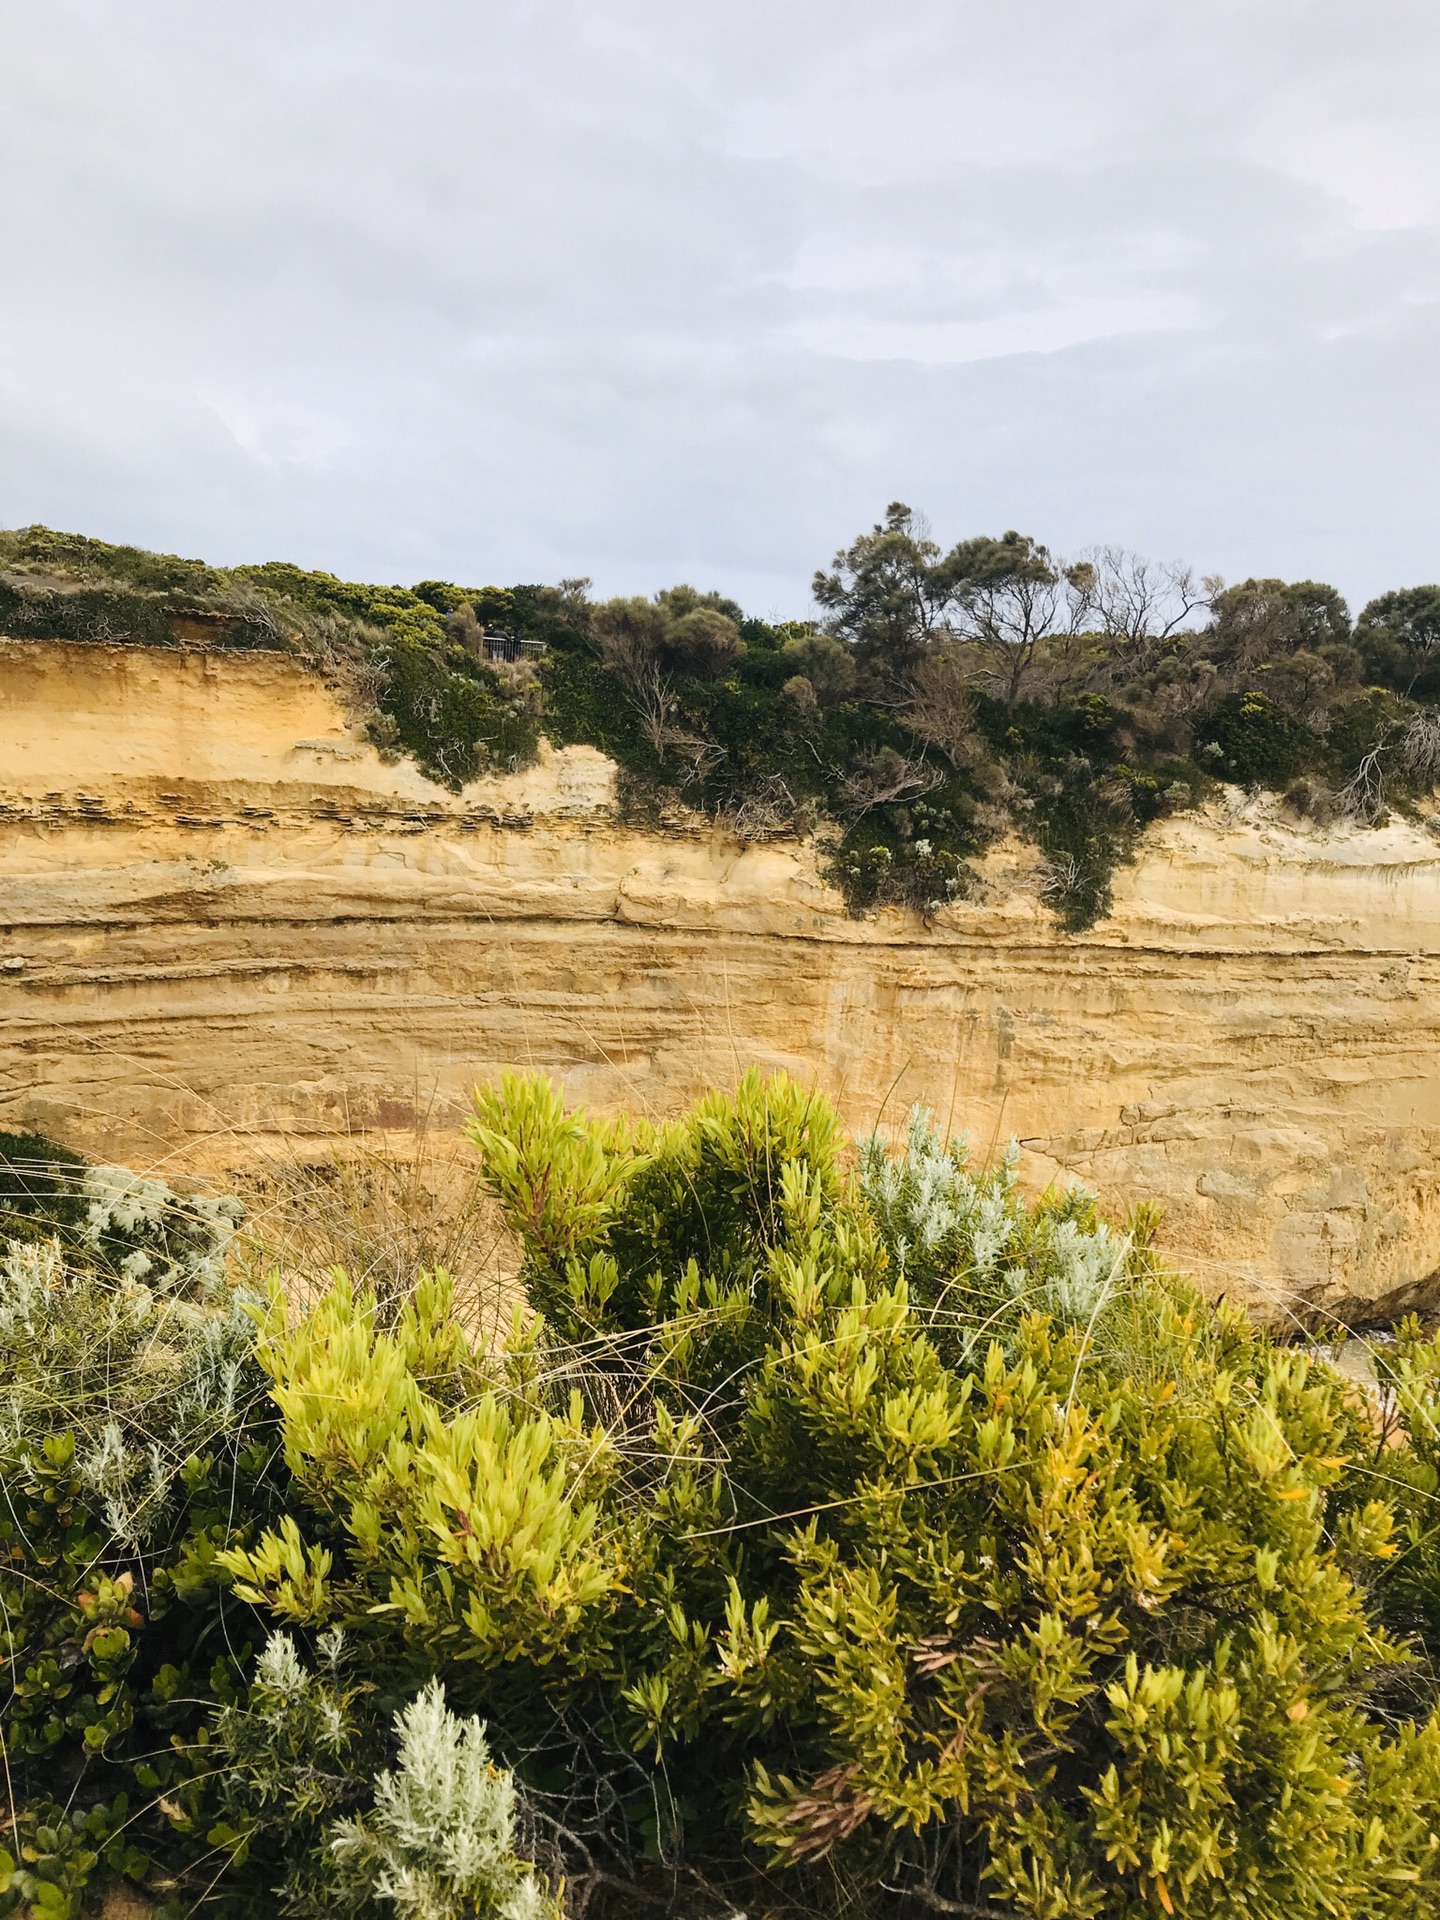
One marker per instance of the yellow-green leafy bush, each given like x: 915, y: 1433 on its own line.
x: 832, y: 1533
x: 837, y: 1533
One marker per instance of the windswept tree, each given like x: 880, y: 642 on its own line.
x: 825, y: 665
x: 1007, y: 597
x: 887, y: 593
x: 1400, y: 631
x: 1262, y: 620
x: 1137, y: 602
x: 896, y: 596
x: 644, y: 644
x: 629, y: 636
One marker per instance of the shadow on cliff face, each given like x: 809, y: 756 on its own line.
x: 1360, y: 1316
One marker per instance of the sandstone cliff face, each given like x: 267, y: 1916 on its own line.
x: 225, y: 921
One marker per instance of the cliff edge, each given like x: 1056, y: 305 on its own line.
x: 225, y: 919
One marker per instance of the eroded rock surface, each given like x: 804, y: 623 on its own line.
x: 225, y: 920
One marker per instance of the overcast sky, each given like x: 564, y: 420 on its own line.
x: 657, y: 290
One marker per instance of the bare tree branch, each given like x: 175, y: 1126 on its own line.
x: 885, y: 776
x: 1141, y: 603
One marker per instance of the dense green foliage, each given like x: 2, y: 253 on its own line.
x: 826, y: 1537
x: 941, y: 697
x: 152, y: 1729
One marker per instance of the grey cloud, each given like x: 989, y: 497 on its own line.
x: 650, y: 293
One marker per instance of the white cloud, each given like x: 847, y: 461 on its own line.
x: 1045, y: 329
x: 279, y: 435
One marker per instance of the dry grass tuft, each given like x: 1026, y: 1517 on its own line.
x: 385, y: 1207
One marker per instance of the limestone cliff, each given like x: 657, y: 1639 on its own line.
x: 224, y: 918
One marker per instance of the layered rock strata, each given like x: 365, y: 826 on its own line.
x: 227, y: 924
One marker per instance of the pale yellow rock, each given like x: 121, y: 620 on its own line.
x: 227, y: 922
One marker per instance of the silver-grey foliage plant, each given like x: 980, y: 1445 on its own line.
x: 440, y: 1840
x: 143, y: 1378
x: 176, y: 1243
x: 950, y: 1227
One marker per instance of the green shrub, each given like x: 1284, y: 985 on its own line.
x: 100, y: 615
x: 915, y: 1537
x: 40, y: 1186
x: 131, y: 1445
x: 840, y: 1536
x: 72, y: 556
x: 1256, y: 740
x: 454, y: 716
x: 144, y: 1736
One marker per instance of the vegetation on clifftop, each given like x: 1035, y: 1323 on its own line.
x: 938, y: 698
x: 818, y: 1543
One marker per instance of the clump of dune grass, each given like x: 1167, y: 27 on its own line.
x: 385, y: 1206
